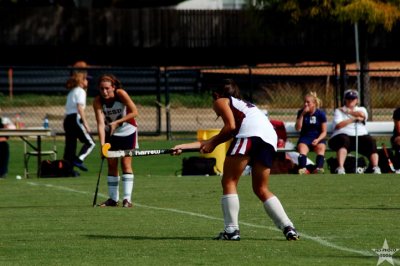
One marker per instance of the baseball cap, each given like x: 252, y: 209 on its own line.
x: 351, y: 95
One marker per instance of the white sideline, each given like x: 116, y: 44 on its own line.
x: 319, y: 240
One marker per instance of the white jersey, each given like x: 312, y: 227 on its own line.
x: 114, y: 111
x: 75, y: 96
x: 349, y: 129
x: 252, y: 122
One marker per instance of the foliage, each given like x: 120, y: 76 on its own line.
x: 371, y: 12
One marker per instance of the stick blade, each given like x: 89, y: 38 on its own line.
x: 105, y: 148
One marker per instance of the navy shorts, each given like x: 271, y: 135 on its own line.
x: 308, y: 141
x: 122, y: 142
x: 255, y: 147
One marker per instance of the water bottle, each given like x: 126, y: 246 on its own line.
x: 18, y: 121
x: 46, y: 122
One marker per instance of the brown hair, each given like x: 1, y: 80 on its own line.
x: 110, y: 78
x: 75, y: 80
x: 226, y: 89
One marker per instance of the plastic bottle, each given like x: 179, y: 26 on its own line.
x: 46, y: 122
x: 18, y: 121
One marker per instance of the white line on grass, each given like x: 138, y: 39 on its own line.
x: 303, y: 235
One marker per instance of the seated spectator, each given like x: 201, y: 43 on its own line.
x: 311, y: 122
x: 4, y: 147
x: 395, y: 139
x: 349, y: 129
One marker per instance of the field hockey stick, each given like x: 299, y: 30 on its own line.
x: 98, y: 182
x: 388, y: 158
x: 135, y: 152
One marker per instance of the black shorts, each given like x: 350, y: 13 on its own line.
x: 122, y: 142
x: 366, y: 144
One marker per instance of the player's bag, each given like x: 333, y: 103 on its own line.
x: 198, y: 166
x: 56, y: 168
x: 349, y: 164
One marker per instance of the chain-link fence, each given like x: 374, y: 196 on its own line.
x: 176, y: 101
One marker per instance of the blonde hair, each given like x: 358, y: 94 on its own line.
x: 77, y: 79
x: 313, y: 95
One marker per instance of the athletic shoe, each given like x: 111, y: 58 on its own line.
x: 397, y: 171
x: 290, y: 233
x: 319, y: 171
x: 126, y: 204
x: 377, y: 170
x: 80, y: 165
x: 235, y: 236
x: 75, y: 173
x: 340, y: 171
x: 303, y: 171
x: 109, y: 203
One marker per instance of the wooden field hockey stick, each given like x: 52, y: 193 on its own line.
x: 388, y: 158
x: 134, y: 152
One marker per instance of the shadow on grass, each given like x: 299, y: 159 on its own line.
x: 139, y: 238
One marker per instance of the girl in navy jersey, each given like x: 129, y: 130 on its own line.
x: 311, y: 122
x: 254, y: 143
x: 115, y: 115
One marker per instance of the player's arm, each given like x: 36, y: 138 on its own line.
x: 222, y: 109
x: 299, y: 120
x: 192, y: 145
x: 132, y: 110
x: 98, y: 111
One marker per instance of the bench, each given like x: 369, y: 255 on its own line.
x: 375, y: 129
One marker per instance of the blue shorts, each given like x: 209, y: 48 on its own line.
x: 255, y: 147
x: 308, y: 141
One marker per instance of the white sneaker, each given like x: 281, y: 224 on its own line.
x: 377, y: 170
x: 398, y: 171
x: 340, y: 171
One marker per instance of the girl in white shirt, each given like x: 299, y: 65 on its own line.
x: 75, y: 124
x: 254, y: 143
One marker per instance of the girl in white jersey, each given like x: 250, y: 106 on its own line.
x: 254, y: 143
x: 115, y: 115
x: 75, y: 122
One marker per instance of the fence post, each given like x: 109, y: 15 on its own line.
x: 10, y: 83
x: 167, y: 105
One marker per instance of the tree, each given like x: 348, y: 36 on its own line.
x: 369, y: 15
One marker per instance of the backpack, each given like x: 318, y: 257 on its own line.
x: 349, y: 164
x: 198, y: 166
x: 56, y: 168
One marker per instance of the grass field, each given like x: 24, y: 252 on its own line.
x: 52, y: 222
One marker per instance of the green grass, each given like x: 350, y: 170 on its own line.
x: 52, y: 221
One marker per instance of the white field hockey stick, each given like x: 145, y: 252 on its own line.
x: 134, y: 152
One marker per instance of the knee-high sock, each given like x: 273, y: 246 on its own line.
x: 302, y: 160
x: 275, y: 211
x: 113, y: 187
x: 230, y: 209
x: 127, y: 184
x: 320, y: 161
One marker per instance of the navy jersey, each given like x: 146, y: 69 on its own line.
x: 312, y: 124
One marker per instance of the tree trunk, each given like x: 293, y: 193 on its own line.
x: 365, y: 97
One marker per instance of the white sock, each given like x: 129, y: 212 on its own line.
x: 127, y: 184
x: 230, y: 209
x: 275, y: 211
x: 113, y: 187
